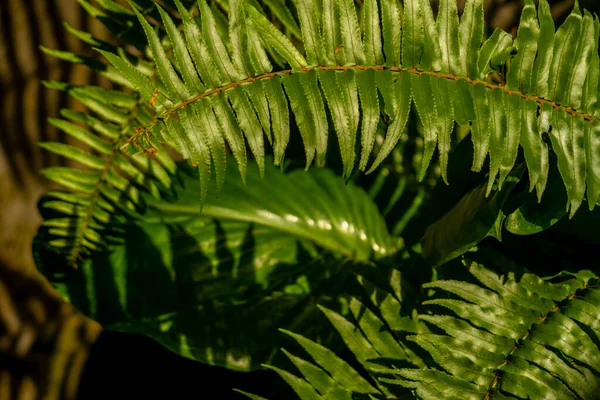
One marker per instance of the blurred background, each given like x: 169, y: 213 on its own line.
x: 24, y: 106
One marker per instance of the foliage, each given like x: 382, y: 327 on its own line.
x: 516, y: 335
x: 212, y: 266
x: 213, y: 286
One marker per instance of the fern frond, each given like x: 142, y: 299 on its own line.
x: 108, y: 190
x: 438, y: 64
x: 373, y: 332
x: 526, y: 337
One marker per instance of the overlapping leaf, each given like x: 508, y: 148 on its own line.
x: 374, y: 332
x: 218, y: 89
x: 106, y: 190
x: 215, y: 286
x: 526, y: 337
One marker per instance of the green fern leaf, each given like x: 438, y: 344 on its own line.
x: 109, y: 193
x: 523, y: 335
x: 529, y: 337
x: 546, y: 69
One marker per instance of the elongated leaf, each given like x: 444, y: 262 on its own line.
x: 324, y: 218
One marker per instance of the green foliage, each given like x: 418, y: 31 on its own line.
x: 516, y: 335
x: 214, y: 286
x: 209, y: 79
x: 109, y: 191
x: 221, y: 84
x: 213, y: 266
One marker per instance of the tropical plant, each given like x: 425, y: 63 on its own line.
x: 145, y: 242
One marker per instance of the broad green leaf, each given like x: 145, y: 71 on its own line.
x: 472, y: 219
x: 533, y: 216
x: 188, y: 283
x: 338, y: 217
x: 184, y: 278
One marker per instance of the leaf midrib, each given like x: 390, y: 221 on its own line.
x: 539, y: 100
x: 116, y: 144
x: 526, y: 336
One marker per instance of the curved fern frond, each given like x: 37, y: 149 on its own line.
x: 216, y: 94
x: 525, y: 337
x: 107, y: 191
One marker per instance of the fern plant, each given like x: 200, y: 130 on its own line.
x: 508, y: 336
x: 144, y: 240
